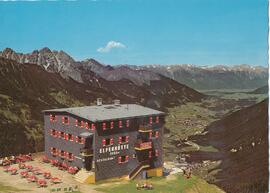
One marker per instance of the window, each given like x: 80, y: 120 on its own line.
x: 123, y: 159
x: 111, y: 124
x: 81, y: 124
x: 93, y: 126
x: 149, y: 154
x: 62, y: 135
x: 70, y: 156
x: 156, y: 153
x: 150, y: 120
x: 111, y: 141
x: 70, y: 137
x: 80, y: 140
x: 65, y: 120
x: 53, y: 133
x: 150, y: 135
x: 127, y: 123
x: 62, y: 153
x: 104, y: 126
x: 123, y: 139
x: 53, y: 151
x: 120, y: 124
x: 157, y: 119
x: 107, y: 142
x: 53, y: 118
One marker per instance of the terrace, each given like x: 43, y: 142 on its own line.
x: 139, y: 145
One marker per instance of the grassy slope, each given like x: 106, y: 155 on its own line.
x: 192, y: 118
x: 4, y: 188
x: 173, y: 184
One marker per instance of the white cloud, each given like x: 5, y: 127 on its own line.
x: 111, y: 45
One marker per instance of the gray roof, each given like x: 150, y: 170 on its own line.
x: 109, y: 112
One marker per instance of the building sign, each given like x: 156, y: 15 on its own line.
x: 105, y: 159
x: 113, y: 148
x: 112, y: 151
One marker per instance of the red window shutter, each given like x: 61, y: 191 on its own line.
x: 157, y: 133
x: 51, y: 131
x: 93, y: 126
x: 150, y: 135
x: 77, y: 139
x: 119, y: 159
x: 82, y: 123
x: 156, y: 153
x: 150, y: 120
x: 82, y: 141
x: 111, y: 141
x: 103, y: 142
x: 63, y: 119
x: 86, y: 125
x: 150, y: 154
x: 111, y: 124
x: 127, y: 138
x: 66, y: 136
x: 50, y: 118
x: 76, y: 122
x: 157, y: 119
x: 127, y: 123
x: 103, y: 125
x: 51, y: 150
x: 126, y: 159
x: 120, y: 124
x: 71, y: 138
x: 119, y: 140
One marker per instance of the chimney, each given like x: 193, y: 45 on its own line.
x: 99, y: 101
x: 116, y: 102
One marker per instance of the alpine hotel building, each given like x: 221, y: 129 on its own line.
x: 115, y: 140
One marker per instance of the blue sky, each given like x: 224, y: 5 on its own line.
x: 202, y: 32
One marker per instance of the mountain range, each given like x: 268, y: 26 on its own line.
x: 213, y: 77
x: 45, y: 80
x: 196, y: 77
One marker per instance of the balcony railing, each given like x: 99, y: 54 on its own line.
x: 86, y: 152
x: 145, y: 128
x: 143, y: 145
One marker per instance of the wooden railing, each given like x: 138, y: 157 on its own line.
x: 138, y: 169
x: 143, y: 145
x: 86, y: 152
x: 145, y: 128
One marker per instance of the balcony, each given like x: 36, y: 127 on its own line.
x: 145, y: 128
x: 86, y: 152
x: 143, y: 145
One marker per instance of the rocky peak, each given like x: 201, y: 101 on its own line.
x: 45, y: 50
